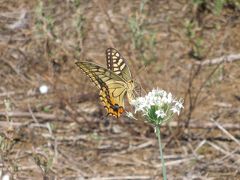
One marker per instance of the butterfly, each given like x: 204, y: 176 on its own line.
x: 114, y: 82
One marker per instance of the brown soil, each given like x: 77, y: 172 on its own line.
x: 65, y: 134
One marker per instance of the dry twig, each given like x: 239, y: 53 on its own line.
x: 225, y: 131
x: 18, y: 114
x: 215, y: 61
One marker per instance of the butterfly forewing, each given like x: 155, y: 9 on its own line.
x: 117, y: 64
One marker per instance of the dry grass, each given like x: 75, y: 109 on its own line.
x: 65, y: 134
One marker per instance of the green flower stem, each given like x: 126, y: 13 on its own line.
x: 161, y: 153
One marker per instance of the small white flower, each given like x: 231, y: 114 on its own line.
x: 169, y: 98
x: 140, y: 104
x: 179, y: 104
x: 43, y: 89
x: 177, y: 107
x: 175, y: 110
x: 160, y: 113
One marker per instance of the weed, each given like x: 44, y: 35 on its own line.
x: 143, y: 39
x: 198, y: 2
x: 8, y: 108
x: 44, y: 23
x: 77, y: 3
x: 216, y: 77
x: 137, y: 32
x: 197, y: 49
x: 79, y: 24
x: 217, y: 6
x: 4, y: 144
x: 197, y: 42
x: 95, y: 136
x: 47, y: 109
x: 44, y: 162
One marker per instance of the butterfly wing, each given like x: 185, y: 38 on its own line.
x: 112, y: 87
x: 117, y: 64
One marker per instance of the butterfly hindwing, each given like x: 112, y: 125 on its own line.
x: 112, y: 87
x: 117, y: 64
x: 114, y: 106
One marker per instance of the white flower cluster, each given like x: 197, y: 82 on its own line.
x: 157, y: 103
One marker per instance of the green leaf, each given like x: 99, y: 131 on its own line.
x: 218, y: 6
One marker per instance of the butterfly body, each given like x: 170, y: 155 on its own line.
x: 114, y: 82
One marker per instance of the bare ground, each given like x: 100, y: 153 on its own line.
x: 64, y: 134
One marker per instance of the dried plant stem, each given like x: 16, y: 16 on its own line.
x: 161, y: 153
x: 228, y: 59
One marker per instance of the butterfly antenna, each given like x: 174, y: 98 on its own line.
x: 139, y: 89
x: 139, y: 85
